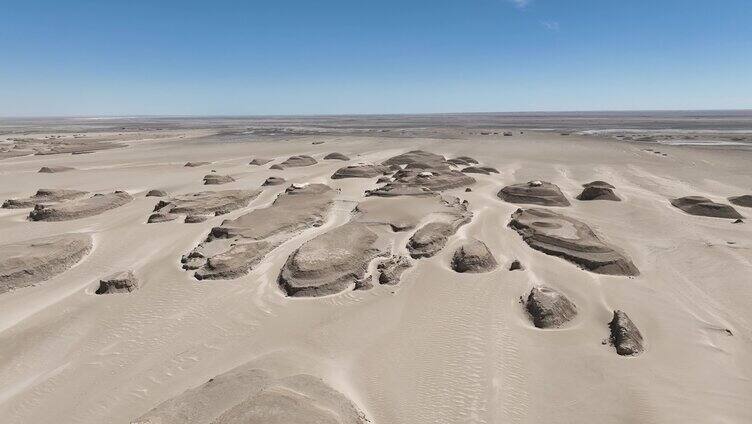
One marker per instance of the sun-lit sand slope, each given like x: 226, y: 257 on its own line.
x: 350, y: 300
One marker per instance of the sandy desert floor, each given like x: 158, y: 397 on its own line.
x: 438, y: 346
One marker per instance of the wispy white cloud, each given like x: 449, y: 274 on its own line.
x: 521, y: 4
x: 550, y: 25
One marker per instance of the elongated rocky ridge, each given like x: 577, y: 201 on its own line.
x: 238, y: 245
x: 247, y: 395
x: 80, y: 208
x: 568, y: 238
x: 549, y: 308
x: 331, y: 262
x: 625, y: 336
x: 702, y: 206
x: 26, y: 263
x: 44, y: 195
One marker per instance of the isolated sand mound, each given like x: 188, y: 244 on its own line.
x: 485, y: 170
x: 336, y: 156
x: 54, y: 169
x: 534, y: 192
x: 80, y: 208
x: 239, y: 244
x: 251, y: 396
x: 702, y: 206
x: 195, y: 164
x: 744, y: 200
x: 625, y: 336
x: 360, y: 171
x: 570, y: 239
x: 259, y: 161
x: 419, y: 159
x: 473, y: 256
x: 331, y: 262
x: 26, y: 263
x: 297, y: 161
x: 598, y: 190
x: 44, y: 195
x: 216, y: 179
x: 119, y: 282
x: 392, y: 268
x: 273, y: 181
x: 548, y: 308
x: 202, y: 203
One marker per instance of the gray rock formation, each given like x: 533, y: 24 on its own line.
x: 259, y: 161
x: 625, y: 336
x: 195, y: 164
x: 156, y: 193
x: 330, y: 262
x: 485, y: 170
x: 54, y: 169
x: 360, y: 171
x: 390, y: 270
x: 44, y: 195
x: 744, y: 200
x: 419, y: 159
x: 534, y: 192
x: 297, y: 161
x: 336, y: 156
x: 202, y: 203
x: 702, y: 206
x: 473, y: 256
x: 570, y: 239
x: 80, y: 208
x: 598, y: 190
x: 119, y: 282
x: 549, y: 308
x: 216, y: 179
x: 273, y: 181
x: 26, y: 263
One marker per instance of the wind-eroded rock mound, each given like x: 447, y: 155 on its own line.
x: 485, y: 170
x: 239, y: 244
x: 473, y: 256
x: 156, y: 193
x: 462, y: 161
x: 570, y: 239
x: 432, y: 237
x: 548, y: 308
x: 259, y: 161
x: 336, y: 156
x: 80, y: 208
x: 361, y: 170
x: 44, y: 195
x: 54, y: 169
x: 251, y: 396
x: 598, y: 190
x: 419, y: 159
x: 625, y: 336
x: 25, y: 263
x: 390, y: 271
x: 534, y: 192
x: 744, y: 200
x: 297, y: 161
x: 195, y: 164
x: 119, y: 282
x: 216, y: 179
x: 202, y: 203
x: 414, y: 182
x: 331, y: 262
x: 702, y: 206
x: 273, y: 181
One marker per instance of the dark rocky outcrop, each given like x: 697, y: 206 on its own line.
x: 26, y: 263
x: 570, y: 239
x: 702, y: 206
x: 259, y: 161
x: 297, y: 161
x: 473, y: 256
x: 516, y: 266
x: 119, y: 282
x: 336, y: 156
x: 273, y: 181
x: 598, y: 190
x: 216, y: 179
x: 360, y: 171
x: 392, y: 268
x: 195, y: 164
x: 419, y: 159
x: 202, y: 203
x: 330, y: 262
x: 44, y: 195
x: 80, y: 208
x: 54, y: 169
x: 744, y: 200
x: 625, y: 336
x: 485, y: 170
x: 549, y: 308
x: 534, y: 192
x: 156, y: 193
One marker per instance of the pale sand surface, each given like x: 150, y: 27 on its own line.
x: 438, y: 347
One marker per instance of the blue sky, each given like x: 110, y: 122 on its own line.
x: 102, y: 57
